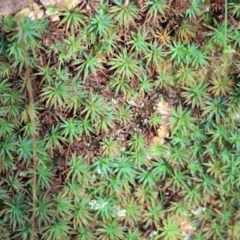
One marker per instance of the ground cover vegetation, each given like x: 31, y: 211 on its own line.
x: 111, y: 162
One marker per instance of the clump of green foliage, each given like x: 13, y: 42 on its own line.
x: 95, y: 90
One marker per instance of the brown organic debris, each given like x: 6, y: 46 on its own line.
x: 164, y: 110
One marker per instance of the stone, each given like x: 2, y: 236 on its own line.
x: 24, y: 12
x: 8, y: 7
x: 33, y: 12
x: 55, y: 18
x: 50, y: 2
x: 70, y: 4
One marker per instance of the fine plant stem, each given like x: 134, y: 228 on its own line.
x: 31, y: 103
x: 33, y: 133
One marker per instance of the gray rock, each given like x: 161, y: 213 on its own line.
x: 12, y: 6
x: 50, y: 2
